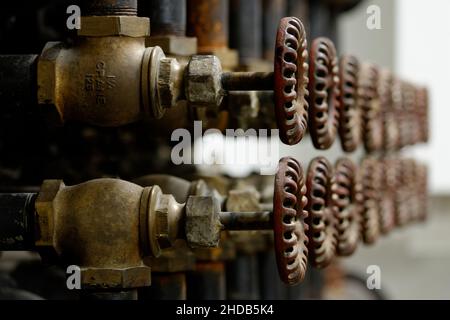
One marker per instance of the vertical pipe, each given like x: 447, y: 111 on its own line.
x: 165, y: 286
x: 167, y: 17
x: 16, y: 221
x: 207, y: 282
x: 271, y: 287
x: 273, y: 11
x: 243, y: 278
x: 246, y: 29
x: 207, y: 20
x: 109, y: 7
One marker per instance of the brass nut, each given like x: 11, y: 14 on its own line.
x: 133, y: 277
x: 203, y: 82
x: 48, y: 92
x: 174, y: 45
x: 105, y: 26
x: 169, y: 82
x: 202, y: 222
x: 45, y: 212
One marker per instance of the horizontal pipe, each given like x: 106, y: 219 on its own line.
x: 16, y: 221
x: 18, y: 85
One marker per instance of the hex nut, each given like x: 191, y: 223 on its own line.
x: 45, y: 212
x: 134, y: 277
x: 202, y: 222
x: 105, y: 26
x: 203, y: 81
x: 47, y: 89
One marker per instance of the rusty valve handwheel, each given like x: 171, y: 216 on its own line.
x: 387, y: 197
x: 323, y: 93
x: 370, y: 104
x: 371, y: 180
x: 349, y: 114
x: 322, y: 233
x: 288, y: 221
x: 291, y: 80
x: 347, y: 197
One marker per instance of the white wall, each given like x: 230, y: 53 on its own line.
x: 423, y: 54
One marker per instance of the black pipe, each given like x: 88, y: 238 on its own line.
x: 109, y: 7
x: 273, y: 11
x: 167, y: 17
x: 16, y: 221
x: 18, y: 85
x: 243, y: 278
x: 165, y: 286
x: 206, y: 282
x: 271, y: 287
x: 246, y: 29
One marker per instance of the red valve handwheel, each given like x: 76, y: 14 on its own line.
x: 323, y: 93
x: 347, y: 198
x: 291, y: 80
x: 288, y: 221
x: 370, y: 177
x: 370, y: 105
x: 350, y: 122
x: 322, y: 232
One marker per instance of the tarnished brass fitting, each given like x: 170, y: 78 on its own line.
x: 94, y: 225
x: 107, y: 227
x: 97, y: 80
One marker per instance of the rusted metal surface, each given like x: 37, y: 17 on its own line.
x: 289, y: 227
x: 347, y: 198
x: 350, y: 126
x: 322, y: 232
x: 207, y: 20
x: 323, y: 93
x: 291, y: 80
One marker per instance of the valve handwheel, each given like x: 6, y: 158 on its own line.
x: 370, y: 175
x: 291, y: 80
x: 350, y: 130
x: 348, y: 199
x: 322, y: 233
x: 324, y: 93
x: 288, y: 221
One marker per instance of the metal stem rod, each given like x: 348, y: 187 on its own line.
x: 246, y: 220
x: 248, y: 81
